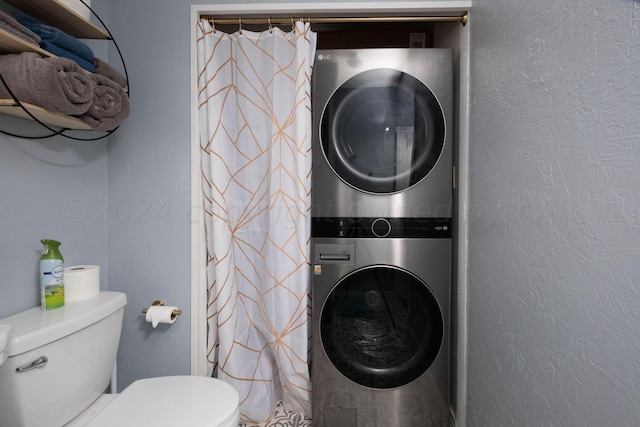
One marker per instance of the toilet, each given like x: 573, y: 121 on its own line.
x: 56, y: 365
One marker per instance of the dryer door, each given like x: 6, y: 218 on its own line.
x: 381, y: 327
x: 382, y: 131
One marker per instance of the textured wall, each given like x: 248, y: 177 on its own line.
x: 149, y: 180
x: 46, y: 191
x: 554, y: 265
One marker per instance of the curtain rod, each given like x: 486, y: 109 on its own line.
x: 463, y: 19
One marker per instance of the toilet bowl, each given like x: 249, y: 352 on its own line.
x: 58, y: 363
x: 173, y: 401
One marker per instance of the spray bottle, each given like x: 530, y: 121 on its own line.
x: 51, y: 275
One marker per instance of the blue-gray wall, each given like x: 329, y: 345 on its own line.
x: 553, y: 304
x: 554, y: 244
x: 48, y: 189
x: 149, y: 172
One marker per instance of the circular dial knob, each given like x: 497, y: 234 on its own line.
x: 381, y: 227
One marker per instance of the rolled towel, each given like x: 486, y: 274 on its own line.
x: 55, y: 84
x: 10, y: 25
x: 53, y: 36
x: 110, y: 106
x: 109, y: 72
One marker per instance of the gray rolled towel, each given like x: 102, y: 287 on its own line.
x: 109, y: 72
x: 110, y: 106
x: 55, y: 84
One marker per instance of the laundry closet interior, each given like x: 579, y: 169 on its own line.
x: 371, y: 257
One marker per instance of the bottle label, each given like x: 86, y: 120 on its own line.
x: 51, y: 283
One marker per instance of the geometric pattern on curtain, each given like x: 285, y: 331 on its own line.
x: 255, y: 136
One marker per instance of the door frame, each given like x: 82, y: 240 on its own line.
x: 454, y: 37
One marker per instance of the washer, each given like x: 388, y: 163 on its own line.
x: 382, y: 133
x: 380, y: 337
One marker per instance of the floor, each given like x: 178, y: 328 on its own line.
x: 284, y: 419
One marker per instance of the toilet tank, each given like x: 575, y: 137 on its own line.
x: 59, y: 361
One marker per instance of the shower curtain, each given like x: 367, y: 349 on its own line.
x: 255, y: 137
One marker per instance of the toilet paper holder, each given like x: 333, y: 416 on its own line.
x: 160, y: 303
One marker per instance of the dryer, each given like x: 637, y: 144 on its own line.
x: 380, y: 330
x: 382, y: 133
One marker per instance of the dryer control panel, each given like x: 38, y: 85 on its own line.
x: 381, y: 227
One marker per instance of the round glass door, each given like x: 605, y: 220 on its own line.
x: 382, y: 131
x: 381, y: 327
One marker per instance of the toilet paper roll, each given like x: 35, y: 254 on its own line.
x: 81, y: 282
x: 157, y: 314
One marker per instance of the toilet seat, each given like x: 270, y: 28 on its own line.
x: 173, y: 401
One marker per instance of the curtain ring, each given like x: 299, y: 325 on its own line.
x: 213, y: 24
x: 293, y: 25
x: 270, y: 26
x: 240, y: 25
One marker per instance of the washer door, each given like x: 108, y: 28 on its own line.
x: 381, y: 327
x: 382, y: 131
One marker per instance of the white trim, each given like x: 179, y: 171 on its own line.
x: 198, y: 247
x: 198, y: 280
x: 334, y: 9
x: 462, y: 224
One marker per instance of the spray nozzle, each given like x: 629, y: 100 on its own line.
x: 50, y: 249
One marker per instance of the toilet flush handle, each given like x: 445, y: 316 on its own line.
x: 36, y: 364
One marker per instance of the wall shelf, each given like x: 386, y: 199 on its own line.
x: 10, y: 107
x: 13, y: 44
x: 60, y: 16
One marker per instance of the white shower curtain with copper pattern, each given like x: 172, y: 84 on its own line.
x: 255, y: 137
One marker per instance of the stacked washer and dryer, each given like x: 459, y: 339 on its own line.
x: 381, y: 237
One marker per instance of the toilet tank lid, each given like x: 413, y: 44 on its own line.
x: 36, y: 327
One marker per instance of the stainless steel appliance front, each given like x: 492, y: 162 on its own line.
x: 380, y: 332
x: 382, y: 133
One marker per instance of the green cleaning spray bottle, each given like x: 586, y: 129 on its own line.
x: 51, y: 275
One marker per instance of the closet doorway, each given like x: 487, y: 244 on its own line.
x: 353, y: 35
